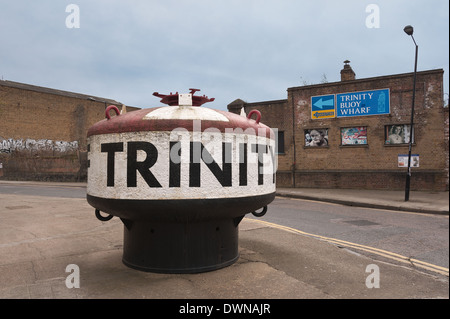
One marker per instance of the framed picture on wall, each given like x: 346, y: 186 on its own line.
x: 354, y: 135
x: 397, y: 134
x: 316, y: 137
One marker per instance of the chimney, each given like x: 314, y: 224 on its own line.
x: 347, y: 74
x: 236, y: 106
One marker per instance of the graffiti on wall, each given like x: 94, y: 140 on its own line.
x: 11, y: 145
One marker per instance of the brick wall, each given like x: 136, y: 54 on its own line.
x: 371, y: 166
x: 43, y: 132
x: 278, y: 115
x: 446, y: 143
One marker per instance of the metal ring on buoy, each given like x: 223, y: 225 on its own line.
x: 258, y: 115
x: 111, y: 107
x: 261, y: 214
x: 100, y: 217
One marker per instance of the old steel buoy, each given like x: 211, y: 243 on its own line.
x: 181, y: 178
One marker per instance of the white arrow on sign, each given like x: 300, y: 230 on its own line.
x: 321, y: 103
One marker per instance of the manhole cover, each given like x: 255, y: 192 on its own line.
x: 360, y: 222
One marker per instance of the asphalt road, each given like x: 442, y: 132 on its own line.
x: 424, y: 237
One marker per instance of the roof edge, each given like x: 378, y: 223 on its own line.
x: 41, y: 89
x: 366, y: 79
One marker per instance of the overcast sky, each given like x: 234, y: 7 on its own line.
x: 248, y: 49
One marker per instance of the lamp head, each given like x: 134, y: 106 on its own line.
x: 408, y: 30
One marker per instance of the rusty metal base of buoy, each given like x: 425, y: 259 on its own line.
x: 185, y: 247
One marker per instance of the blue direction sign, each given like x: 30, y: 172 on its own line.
x: 363, y: 103
x: 322, y: 107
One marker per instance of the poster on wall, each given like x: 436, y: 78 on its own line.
x: 403, y: 160
x: 316, y: 137
x: 354, y: 135
x: 397, y: 134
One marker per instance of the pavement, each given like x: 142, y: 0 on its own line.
x: 49, y: 245
x: 432, y: 202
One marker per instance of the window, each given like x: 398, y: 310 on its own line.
x: 354, y: 135
x: 316, y: 137
x: 397, y: 134
x: 280, y: 142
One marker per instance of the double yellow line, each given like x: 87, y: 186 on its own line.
x: 387, y: 254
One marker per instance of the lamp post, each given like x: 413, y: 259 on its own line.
x: 409, y: 31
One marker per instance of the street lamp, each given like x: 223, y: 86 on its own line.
x: 409, y: 31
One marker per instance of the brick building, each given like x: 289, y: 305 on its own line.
x: 354, y: 133
x: 43, y: 131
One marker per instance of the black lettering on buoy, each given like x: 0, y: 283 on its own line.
x: 174, y: 164
x: 143, y: 167
x: 198, y: 152
x: 260, y: 149
x: 243, y: 164
x: 111, y: 149
x: 272, y: 155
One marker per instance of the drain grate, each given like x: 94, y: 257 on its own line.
x: 361, y: 222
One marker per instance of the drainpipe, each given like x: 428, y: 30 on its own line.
x: 293, y: 139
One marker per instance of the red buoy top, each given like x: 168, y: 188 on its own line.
x: 175, y: 116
